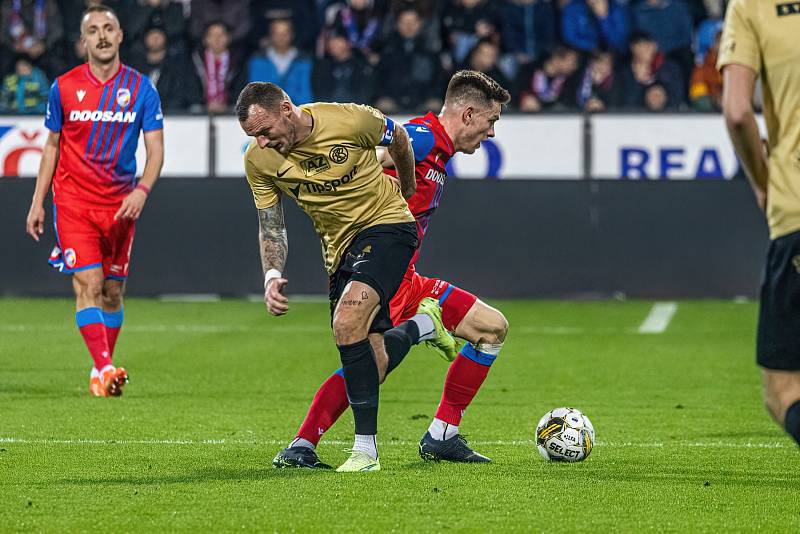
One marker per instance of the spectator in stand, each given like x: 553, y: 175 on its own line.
x: 343, y: 75
x: 219, y: 69
x: 302, y: 14
x: 143, y: 15
x: 234, y: 14
x: 599, y: 89
x: 655, y: 97
x: 465, y: 22
x: 549, y: 84
x: 430, y: 15
x: 171, y: 73
x: 705, y: 87
x: 6, y: 63
x: 425, y: 8
x: 409, y: 73
x: 702, y: 9
x: 357, y: 20
x: 283, y: 64
x: 648, y: 66
x: 25, y: 90
x: 76, y: 55
x: 71, y: 11
x: 704, y: 37
x: 669, y: 23
x: 528, y: 31
x: 588, y: 25
x: 485, y: 57
x: 34, y: 29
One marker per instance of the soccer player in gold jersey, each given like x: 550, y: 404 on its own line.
x: 323, y: 156
x: 760, y: 38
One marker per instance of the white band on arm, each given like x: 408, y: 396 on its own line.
x: 272, y: 273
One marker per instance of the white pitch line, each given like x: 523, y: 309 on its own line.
x: 404, y: 443
x: 659, y: 318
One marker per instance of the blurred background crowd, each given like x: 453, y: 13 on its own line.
x: 553, y: 55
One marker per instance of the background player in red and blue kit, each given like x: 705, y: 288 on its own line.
x: 95, y: 114
x: 473, y: 104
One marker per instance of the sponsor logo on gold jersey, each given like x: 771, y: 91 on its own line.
x: 315, y: 165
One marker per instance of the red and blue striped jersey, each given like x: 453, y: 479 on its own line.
x: 433, y: 148
x: 99, y: 125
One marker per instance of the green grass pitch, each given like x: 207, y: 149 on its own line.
x: 683, y: 442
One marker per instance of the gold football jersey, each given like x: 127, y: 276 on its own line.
x: 763, y: 35
x: 333, y: 175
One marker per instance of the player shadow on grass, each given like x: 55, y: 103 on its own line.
x: 213, y: 474
x: 30, y: 391
x: 210, y: 474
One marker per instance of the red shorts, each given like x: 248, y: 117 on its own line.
x: 455, y: 302
x: 88, y: 238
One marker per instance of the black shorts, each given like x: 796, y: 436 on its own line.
x: 778, y: 343
x: 378, y: 257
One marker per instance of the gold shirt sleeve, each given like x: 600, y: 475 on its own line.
x: 369, y: 125
x: 739, y: 42
x: 265, y: 193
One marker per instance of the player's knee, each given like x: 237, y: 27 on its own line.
x: 496, y: 327
x: 89, y: 289
x: 347, y: 329
x: 112, y: 297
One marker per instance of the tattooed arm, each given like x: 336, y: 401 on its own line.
x: 273, y: 246
x: 403, y: 157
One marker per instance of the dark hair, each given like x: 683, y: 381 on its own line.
x: 265, y: 94
x: 639, y: 36
x: 99, y: 8
x: 155, y: 28
x: 482, y: 41
x: 216, y: 23
x: 601, y: 53
x: 405, y: 9
x: 476, y: 87
x: 287, y: 20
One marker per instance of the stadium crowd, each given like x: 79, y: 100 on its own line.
x: 553, y: 55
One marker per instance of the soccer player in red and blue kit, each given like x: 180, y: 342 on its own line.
x: 95, y: 114
x: 473, y: 104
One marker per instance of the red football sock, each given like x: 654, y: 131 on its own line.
x: 90, y: 323
x: 113, y: 322
x: 464, y: 378
x: 328, y: 405
x: 111, y: 335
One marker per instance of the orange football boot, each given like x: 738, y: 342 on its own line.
x: 114, y: 379
x: 96, y: 387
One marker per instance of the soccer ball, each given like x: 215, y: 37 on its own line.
x: 564, y: 435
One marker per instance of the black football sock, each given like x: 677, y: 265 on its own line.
x: 399, y: 341
x: 792, y: 421
x: 361, y: 383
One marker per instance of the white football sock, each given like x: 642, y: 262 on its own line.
x: 425, y: 325
x: 300, y: 442
x: 441, y: 430
x: 366, y: 443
